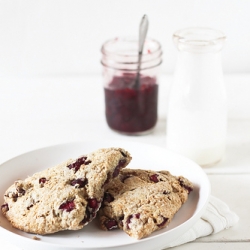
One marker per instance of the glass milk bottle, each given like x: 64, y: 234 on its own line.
x: 197, y: 111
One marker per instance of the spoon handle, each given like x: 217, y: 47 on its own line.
x: 143, y: 32
x: 142, y: 36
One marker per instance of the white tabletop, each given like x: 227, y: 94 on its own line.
x: 39, y: 112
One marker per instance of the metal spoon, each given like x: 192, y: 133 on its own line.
x: 142, y: 36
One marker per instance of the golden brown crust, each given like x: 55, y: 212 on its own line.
x: 142, y: 201
x: 64, y: 197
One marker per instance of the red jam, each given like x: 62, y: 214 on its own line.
x: 129, y: 109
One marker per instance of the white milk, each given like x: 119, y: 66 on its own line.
x: 197, y: 114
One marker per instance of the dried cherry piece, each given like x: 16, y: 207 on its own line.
x: 68, y: 206
x: 111, y: 224
x: 128, y: 221
x: 189, y: 189
x: 137, y: 216
x: 93, y: 203
x: 108, y: 197
x: 42, y: 180
x: 119, y: 167
x: 20, y: 191
x: 5, y: 207
x: 79, y: 183
x: 90, y: 212
x: 77, y: 164
x: 165, y: 220
x: 154, y: 178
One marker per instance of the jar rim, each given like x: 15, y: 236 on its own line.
x: 131, y: 40
x: 121, y: 53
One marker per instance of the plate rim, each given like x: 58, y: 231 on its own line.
x: 190, y: 221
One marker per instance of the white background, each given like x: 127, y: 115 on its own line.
x: 63, y: 37
x: 51, y: 92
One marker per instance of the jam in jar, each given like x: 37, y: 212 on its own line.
x: 131, y: 108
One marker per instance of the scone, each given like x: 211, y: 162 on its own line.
x: 141, y: 201
x: 64, y: 197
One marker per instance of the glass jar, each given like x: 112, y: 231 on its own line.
x: 197, y: 110
x: 130, y: 108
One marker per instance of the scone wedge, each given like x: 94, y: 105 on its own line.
x: 64, y: 197
x: 141, y: 201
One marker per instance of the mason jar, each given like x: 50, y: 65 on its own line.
x: 131, y: 104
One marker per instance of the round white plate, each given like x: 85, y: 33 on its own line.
x: 144, y: 156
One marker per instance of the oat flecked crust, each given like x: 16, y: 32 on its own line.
x: 64, y: 197
x: 141, y: 201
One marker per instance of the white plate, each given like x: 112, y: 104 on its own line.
x: 91, y: 237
